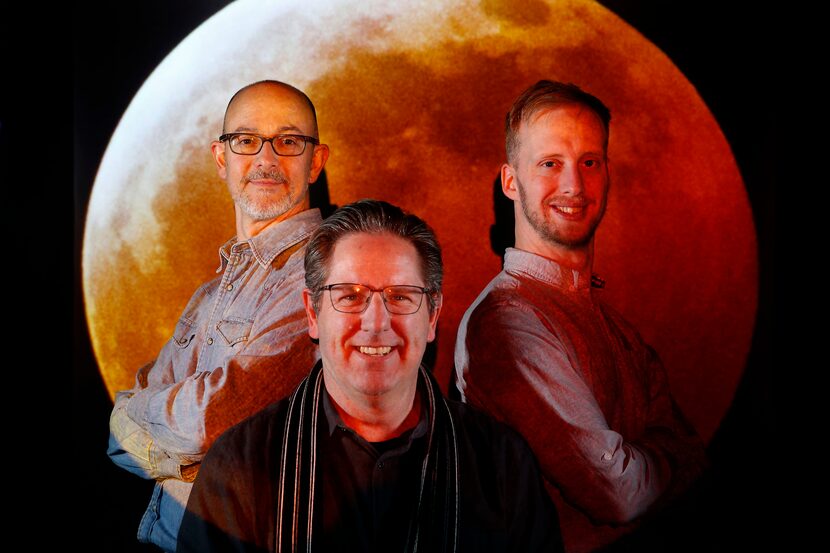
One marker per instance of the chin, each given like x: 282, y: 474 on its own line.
x: 375, y: 389
x: 377, y: 383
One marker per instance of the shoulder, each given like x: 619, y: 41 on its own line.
x: 248, y: 439
x: 481, y: 432
x: 505, y: 294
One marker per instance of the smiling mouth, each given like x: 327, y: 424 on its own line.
x: 569, y: 210
x: 266, y: 182
x: 380, y: 350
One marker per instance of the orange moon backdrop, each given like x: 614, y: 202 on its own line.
x: 412, y: 105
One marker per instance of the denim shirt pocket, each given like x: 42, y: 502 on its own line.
x: 184, y: 333
x: 234, y: 330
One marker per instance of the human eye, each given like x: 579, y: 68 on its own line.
x: 592, y: 163
x: 402, y: 296
x: 245, y: 139
x: 347, y: 295
x: 551, y: 163
x: 290, y: 140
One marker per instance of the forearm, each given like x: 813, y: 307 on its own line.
x: 668, y: 431
x: 683, y: 451
x: 610, y: 480
x: 184, y: 418
x: 133, y: 449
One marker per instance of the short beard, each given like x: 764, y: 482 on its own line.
x: 256, y: 210
x: 549, y: 232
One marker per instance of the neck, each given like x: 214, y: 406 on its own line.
x: 579, y: 259
x: 247, y: 228
x: 376, y: 418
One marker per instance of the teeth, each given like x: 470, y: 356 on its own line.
x: 570, y: 210
x: 382, y: 350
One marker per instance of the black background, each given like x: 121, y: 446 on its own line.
x: 722, y: 50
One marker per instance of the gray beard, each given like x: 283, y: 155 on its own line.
x: 265, y: 212
x: 259, y: 212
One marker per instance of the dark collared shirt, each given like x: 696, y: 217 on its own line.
x: 369, y: 491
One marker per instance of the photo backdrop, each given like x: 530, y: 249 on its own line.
x: 411, y: 101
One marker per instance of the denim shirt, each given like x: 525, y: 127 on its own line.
x: 539, y: 350
x: 241, y: 343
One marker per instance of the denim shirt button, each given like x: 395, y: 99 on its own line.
x: 229, y: 287
x: 210, y: 341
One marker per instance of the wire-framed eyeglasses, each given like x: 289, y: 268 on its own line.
x: 348, y: 297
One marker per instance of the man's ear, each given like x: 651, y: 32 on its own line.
x: 218, y: 150
x: 433, y: 317
x: 310, y: 314
x: 318, y: 161
x: 508, y: 182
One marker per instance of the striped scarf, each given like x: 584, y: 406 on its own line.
x: 434, y: 524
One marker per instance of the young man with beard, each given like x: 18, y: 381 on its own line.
x: 540, y: 350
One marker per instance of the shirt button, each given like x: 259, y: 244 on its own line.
x: 229, y: 287
x: 210, y: 341
x: 606, y: 456
x: 380, y: 464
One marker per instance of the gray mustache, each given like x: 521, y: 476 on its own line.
x: 279, y: 177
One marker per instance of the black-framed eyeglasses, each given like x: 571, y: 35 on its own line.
x: 348, y: 297
x: 248, y: 144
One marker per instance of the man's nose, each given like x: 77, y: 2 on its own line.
x: 267, y: 156
x: 570, y: 182
x: 376, y: 317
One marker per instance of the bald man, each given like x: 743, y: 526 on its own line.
x: 241, y: 342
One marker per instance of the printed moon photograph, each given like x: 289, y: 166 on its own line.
x: 412, y: 103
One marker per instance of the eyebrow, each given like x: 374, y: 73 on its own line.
x: 281, y: 129
x: 551, y: 154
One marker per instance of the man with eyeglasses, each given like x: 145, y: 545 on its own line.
x: 541, y: 350
x: 241, y: 341
x: 367, y: 454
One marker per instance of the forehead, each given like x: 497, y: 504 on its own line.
x: 375, y: 260
x: 574, y: 124
x: 269, y: 108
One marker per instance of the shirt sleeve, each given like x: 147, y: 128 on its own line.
x: 166, y: 423
x: 132, y: 448
x: 668, y: 432
x: 520, y: 372
x: 225, y: 505
x: 534, y: 523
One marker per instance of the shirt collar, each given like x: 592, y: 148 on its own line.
x: 274, y: 240
x: 548, y: 271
